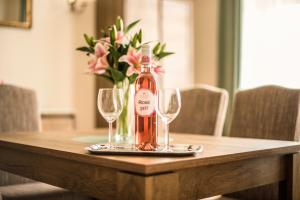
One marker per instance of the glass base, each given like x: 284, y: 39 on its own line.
x: 167, y: 149
x: 106, y: 146
x: 120, y: 139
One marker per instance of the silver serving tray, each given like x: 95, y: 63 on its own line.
x: 177, y: 150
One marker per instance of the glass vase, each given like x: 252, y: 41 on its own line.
x: 125, y: 122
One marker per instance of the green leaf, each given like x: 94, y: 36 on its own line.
x: 116, y: 75
x: 110, y: 59
x: 107, y: 77
x: 140, y: 46
x: 90, y: 40
x: 114, y: 53
x: 122, y: 67
x: 85, y: 49
x: 123, y: 49
x: 130, y: 26
x: 132, y: 78
x: 156, y: 48
x: 162, y: 48
x: 119, y: 24
x: 134, y: 40
x: 112, y: 34
x: 87, y: 38
x: 164, y: 54
x: 140, y: 36
x: 93, y: 42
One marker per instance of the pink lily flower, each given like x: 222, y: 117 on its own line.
x: 159, y: 70
x: 92, y: 62
x: 106, y: 40
x: 120, y: 37
x: 133, y: 58
x: 98, y: 65
x: 101, y: 50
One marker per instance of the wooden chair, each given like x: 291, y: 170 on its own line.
x: 203, y: 110
x: 269, y: 112
x: 18, y: 113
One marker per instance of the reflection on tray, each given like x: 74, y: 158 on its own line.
x: 177, y: 150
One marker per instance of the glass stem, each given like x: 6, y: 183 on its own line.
x: 167, y: 137
x: 109, y: 134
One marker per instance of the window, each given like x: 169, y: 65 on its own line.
x: 169, y: 21
x: 270, y: 43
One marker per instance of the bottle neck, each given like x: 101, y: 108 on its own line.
x: 146, y: 68
x: 146, y: 62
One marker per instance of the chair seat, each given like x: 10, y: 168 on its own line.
x: 33, y: 191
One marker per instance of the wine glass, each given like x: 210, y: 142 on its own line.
x: 167, y: 106
x: 110, y: 105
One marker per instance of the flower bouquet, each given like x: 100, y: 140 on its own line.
x: 116, y: 56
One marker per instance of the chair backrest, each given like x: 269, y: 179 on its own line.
x: 203, y: 111
x: 18, y: 109
x: 18, y: 113
x: 269, y: 112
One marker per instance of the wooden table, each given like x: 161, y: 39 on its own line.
x: 226, y: 165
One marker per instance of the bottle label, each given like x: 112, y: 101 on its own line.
x: 144, y: 102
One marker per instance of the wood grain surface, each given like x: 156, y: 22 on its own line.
x: 226, y: 165
x: 216, y: 150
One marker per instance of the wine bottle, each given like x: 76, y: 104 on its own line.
x: 145, y: 114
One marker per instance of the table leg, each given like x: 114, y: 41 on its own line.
x: 153, y: 187
x: 293, y: 177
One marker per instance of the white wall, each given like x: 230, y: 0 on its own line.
x: 44, y: 58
